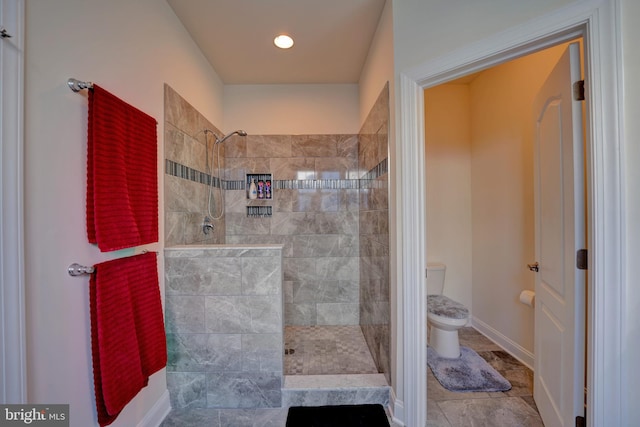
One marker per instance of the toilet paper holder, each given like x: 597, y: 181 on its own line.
x: 528, y: 297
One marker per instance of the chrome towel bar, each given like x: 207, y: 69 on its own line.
x: 76, y: 269
x: 76, y: 85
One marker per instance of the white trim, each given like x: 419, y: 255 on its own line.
x: 158, y: 412
x: 600, y: 19
x: 510, y: 346
x: 412, y: 247
x: 532, y: 36
x: 607, y: 255
x: 396, y: 407
x: 13, y: 371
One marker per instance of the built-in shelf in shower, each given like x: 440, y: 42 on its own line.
x: 263, y: 185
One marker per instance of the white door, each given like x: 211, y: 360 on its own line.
x: 560, y: 232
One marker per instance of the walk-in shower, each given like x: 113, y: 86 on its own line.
x: 311, y: 278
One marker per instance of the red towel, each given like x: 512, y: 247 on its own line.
x: 122, y: 174
x: 127, y: 331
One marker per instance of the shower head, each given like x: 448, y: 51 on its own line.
x: 224, y: 138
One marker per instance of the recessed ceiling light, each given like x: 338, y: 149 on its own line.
x: 283, y: 41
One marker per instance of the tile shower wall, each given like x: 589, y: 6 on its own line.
x: 315, y: 216
x: 186, y: 179
x: 374, y: 233
x: 224, y: 326
x: 330, y: 213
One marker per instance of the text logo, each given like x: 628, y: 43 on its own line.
x: 34, y: 415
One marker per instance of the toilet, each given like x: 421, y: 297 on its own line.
x: 444, y: 315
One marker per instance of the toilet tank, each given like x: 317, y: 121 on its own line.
x: 435, y: 278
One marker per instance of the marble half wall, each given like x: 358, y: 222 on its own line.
x: 224, y: 323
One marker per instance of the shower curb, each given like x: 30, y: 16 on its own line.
x: 320, y: 390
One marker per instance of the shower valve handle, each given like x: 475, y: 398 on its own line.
x: 207, y: 226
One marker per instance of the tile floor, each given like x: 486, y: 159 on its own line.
x: 498, y: 409
x: 337, y: 349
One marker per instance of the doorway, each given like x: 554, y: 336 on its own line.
x: 479, y: 158
x: 597, y: 23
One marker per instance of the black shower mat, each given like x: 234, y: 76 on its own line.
x: 337, y: 416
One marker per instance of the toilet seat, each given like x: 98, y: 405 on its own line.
x: 446, y: 307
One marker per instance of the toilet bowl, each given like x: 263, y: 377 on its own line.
x: 444, y: 315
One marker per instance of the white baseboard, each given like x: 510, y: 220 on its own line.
x: 396, y: 407
x: 511, y: 347
x: 158, y: 412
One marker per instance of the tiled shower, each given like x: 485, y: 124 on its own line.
x: 328, y: 214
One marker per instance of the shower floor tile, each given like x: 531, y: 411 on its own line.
x: 326, y: 350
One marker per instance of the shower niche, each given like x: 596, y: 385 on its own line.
x: 262, y: 184
x: 259, y: 187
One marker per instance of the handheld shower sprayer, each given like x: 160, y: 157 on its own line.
x: 209, y: 167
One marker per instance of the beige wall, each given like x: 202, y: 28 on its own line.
x: 378, y: 68
x: 131, y: 49
x: 314, y: 108
x: 448, y: 185
x: 502, y: 192
x: 292, y: 109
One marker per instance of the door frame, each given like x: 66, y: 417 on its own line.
x: 598, y: 22
x: 13, y: 357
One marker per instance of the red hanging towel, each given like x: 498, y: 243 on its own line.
x: 122, y: 174
x: 127, y: 331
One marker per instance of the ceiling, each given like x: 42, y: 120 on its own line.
x: 332, y: 38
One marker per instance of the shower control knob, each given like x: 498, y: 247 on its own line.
x: 207, y: 226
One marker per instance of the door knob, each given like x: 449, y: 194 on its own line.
x: 533, y: 267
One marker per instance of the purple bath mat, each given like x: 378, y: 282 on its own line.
x: 468, y: 373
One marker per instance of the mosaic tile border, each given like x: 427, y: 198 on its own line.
x: 378, y: 170
x: 185, y: 172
